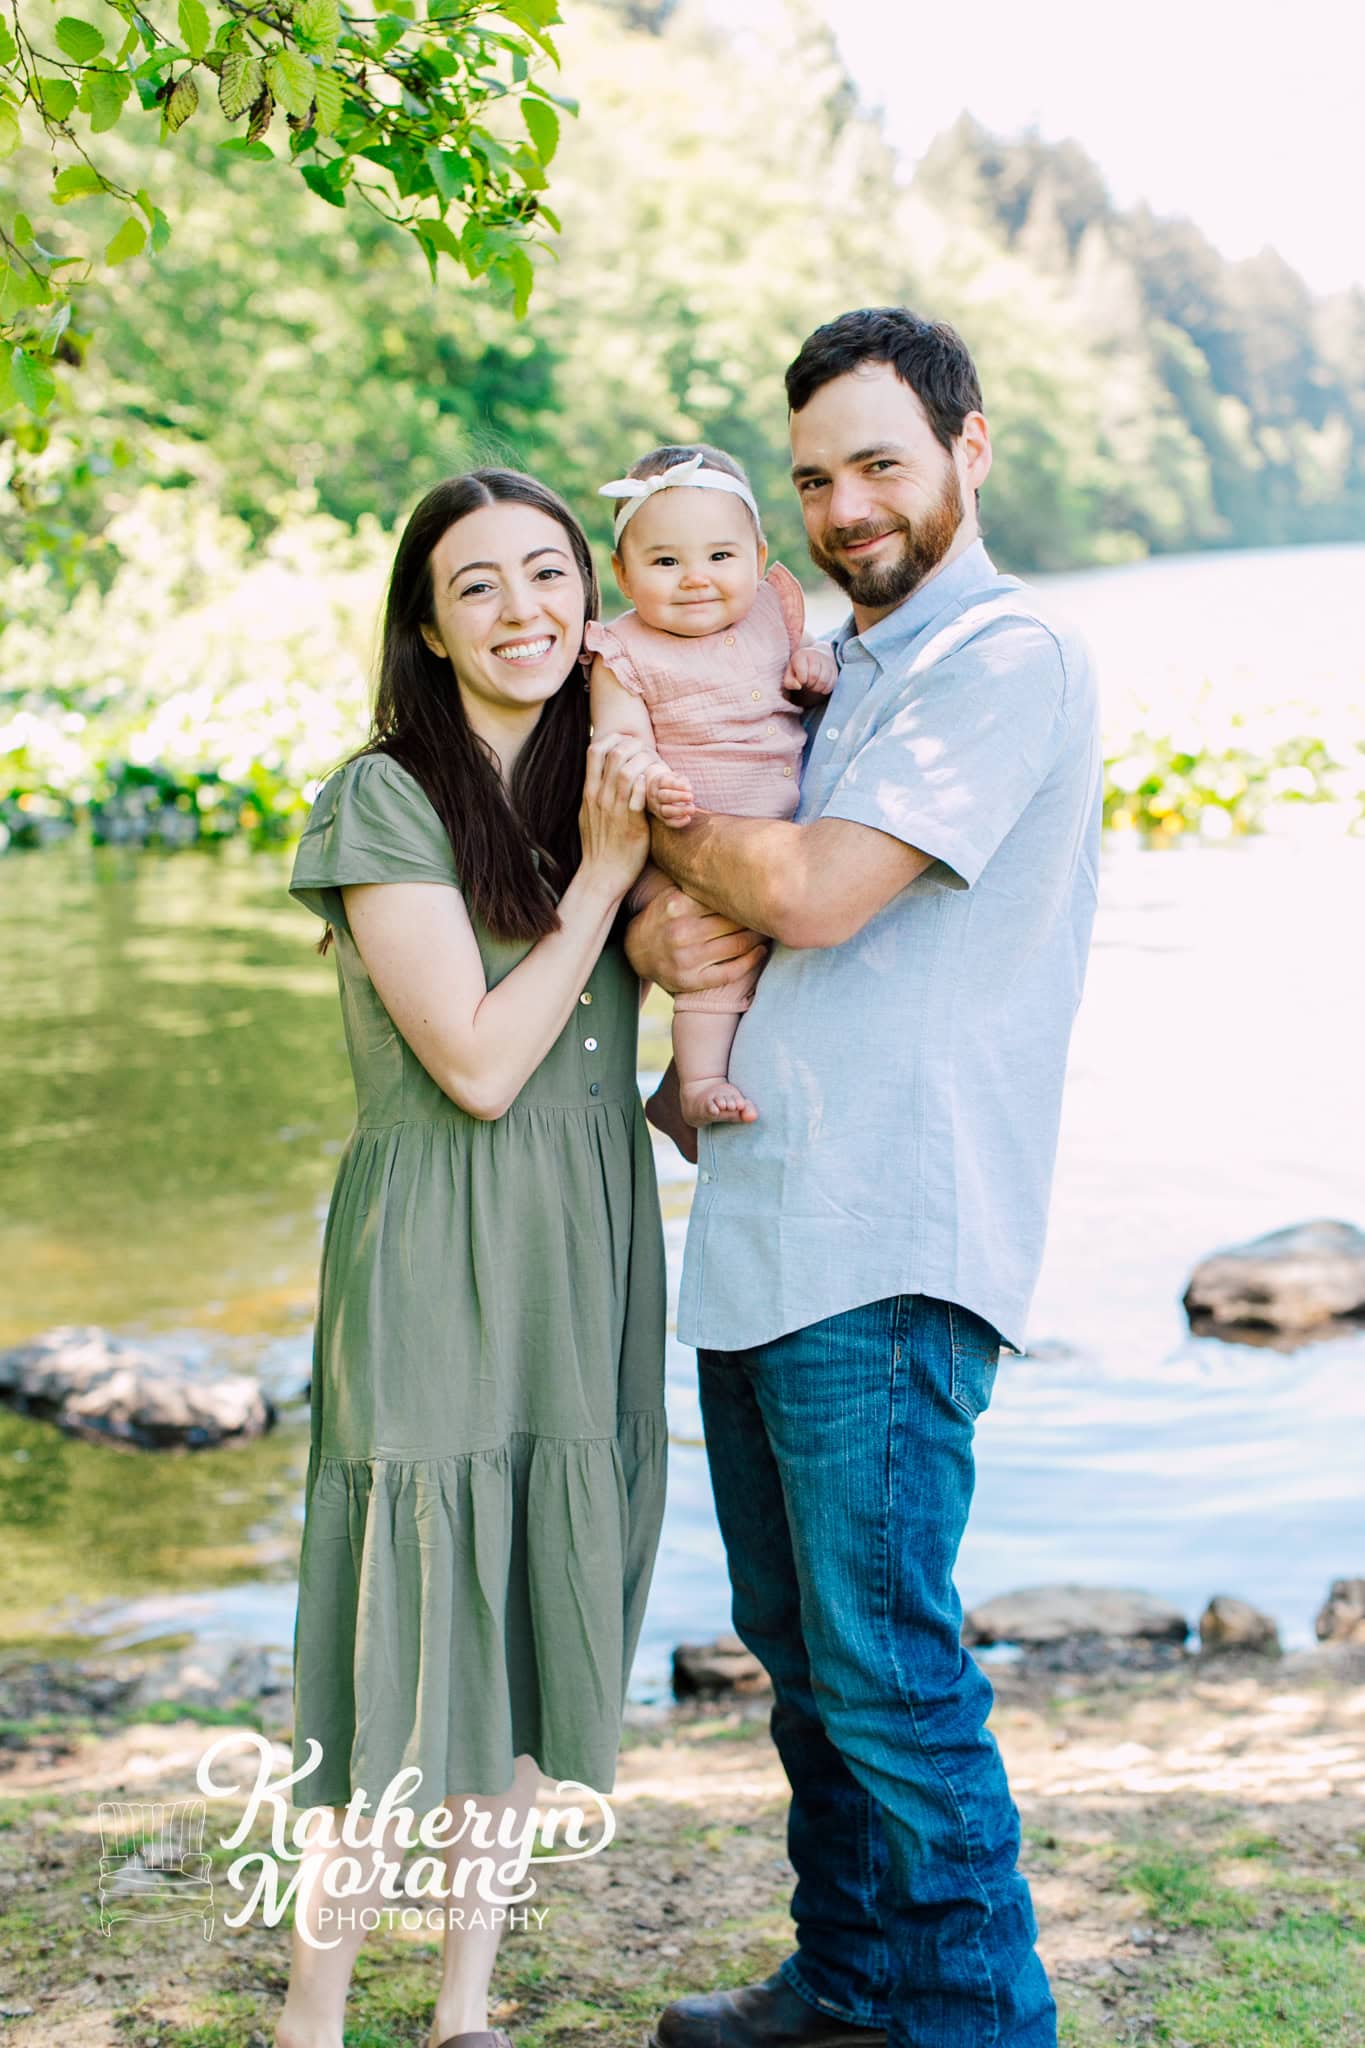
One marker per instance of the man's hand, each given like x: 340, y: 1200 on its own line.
x: 682, y: 945
x: 811, y: 674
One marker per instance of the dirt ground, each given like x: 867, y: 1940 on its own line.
x: 1195, y: 1839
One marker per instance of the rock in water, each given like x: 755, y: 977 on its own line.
x: 1288, y: 1282
x: 1056, y: 1614
x: 722, y: 1666
x: 1229, y: 1624
x: 1342, y: 1619
x: 98, y: 1386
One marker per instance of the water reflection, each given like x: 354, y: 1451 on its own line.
x: 175, y: 1092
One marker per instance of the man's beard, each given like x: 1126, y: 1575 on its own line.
x: 924, y: 543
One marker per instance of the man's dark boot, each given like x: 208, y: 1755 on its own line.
x: 767, y: 2015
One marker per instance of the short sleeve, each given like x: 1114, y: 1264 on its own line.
x: 952, y: 770
x: 607, y: 642
x: 371, y: 822
x: 792, y: 600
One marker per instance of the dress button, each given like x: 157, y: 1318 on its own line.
x: 590, y: 1045
x: 594, y: 1087
x: 586, y: 996
x: 729, y: 639
x: 755, y: 694
x: 772, y: 728
x: 786, y: 771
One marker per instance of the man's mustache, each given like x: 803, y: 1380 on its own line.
x: 849, y: 536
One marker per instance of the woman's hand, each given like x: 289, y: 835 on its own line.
x: 612, y: 821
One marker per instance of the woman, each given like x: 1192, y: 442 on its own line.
x: 486, y: 1478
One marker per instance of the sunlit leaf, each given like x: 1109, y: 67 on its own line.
x: 331, y: 100
x: 291, y: 78
x: 239, y: 83
x: 195, y: 27
x: 76, y: 182
x: 130, y: 240
x: 77, y: 39
x: 184, y: 99
x: 542, y: 123
x: 33, y: 382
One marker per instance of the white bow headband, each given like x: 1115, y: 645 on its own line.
x: 635, y: 489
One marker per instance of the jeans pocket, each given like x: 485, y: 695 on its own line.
x: 976, y: 1359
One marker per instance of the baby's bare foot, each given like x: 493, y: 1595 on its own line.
x: 715, y: 1101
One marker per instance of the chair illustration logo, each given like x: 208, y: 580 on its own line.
x: 154, y: 1865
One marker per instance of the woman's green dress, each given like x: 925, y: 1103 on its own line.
x: 486, y: 1475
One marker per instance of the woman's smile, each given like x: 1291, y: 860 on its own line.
x: 525, y: 650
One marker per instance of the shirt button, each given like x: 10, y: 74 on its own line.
x: 586, y: 996
x: 590, y: 1045
x: 594, y: 1088
x: 833, y: 732
x: 703, y: 1176
x: 729, y: 639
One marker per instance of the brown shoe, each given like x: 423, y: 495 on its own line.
x: 484, y: 2037
x: 767, y: 2015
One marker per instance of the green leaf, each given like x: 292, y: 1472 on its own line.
x: 330, y: 99
x: 291, y: 80
x: 130, y: 240
x: 195, y: 27
x: 78, y: 40
x: 32, y: 380
x: 254, y: 152
x: 450, y: 172
x: 317, y: 24
x: 23, y: 230
x: 75, y: 183
x: 8, y: 395
x: 184, y: 99
x: 521, y: 270
x: 10, y: 137
x: 322, y: 179
x: 239, y: 83
x: 542, y: 124
x: 161, y: 229
x: 102, y: 96
x: 58, y: 97
x: 9, y: 49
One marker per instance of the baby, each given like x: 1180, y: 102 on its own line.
x: 711, y: 668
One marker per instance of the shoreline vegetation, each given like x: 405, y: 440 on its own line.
x: 1193, y: 1835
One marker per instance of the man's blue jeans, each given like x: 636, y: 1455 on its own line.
x: 841, y: 1459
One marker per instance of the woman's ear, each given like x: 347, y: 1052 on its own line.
x: 434, y: 641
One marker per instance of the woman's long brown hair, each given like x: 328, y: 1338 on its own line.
x: 419, y: 719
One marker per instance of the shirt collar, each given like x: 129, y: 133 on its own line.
x: 890, y: 635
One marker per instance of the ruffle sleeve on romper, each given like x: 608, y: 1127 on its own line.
x: 607, y: 642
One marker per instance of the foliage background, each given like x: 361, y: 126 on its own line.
x: 266, y: 399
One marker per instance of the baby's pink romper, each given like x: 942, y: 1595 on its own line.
x: 720, y: 717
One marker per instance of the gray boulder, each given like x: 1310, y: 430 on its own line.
x: 719, y: 1667
x: 101, y: 1387
x: 1055, y: 1614
x: 1228, y: 1624
x: 1288, y: 1283
x: 1342, y: 1618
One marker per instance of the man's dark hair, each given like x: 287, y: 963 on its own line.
x: 928, y: 355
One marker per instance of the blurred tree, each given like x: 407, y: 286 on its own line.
x: 409, y: 116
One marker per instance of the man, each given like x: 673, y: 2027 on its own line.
x: 857, y: 1256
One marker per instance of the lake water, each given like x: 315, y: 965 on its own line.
x: 175, y: 1093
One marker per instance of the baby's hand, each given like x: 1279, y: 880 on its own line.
x: 668, y: 797
x: 811, y: 674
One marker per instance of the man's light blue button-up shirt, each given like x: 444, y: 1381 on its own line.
x: 909, y: 1081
